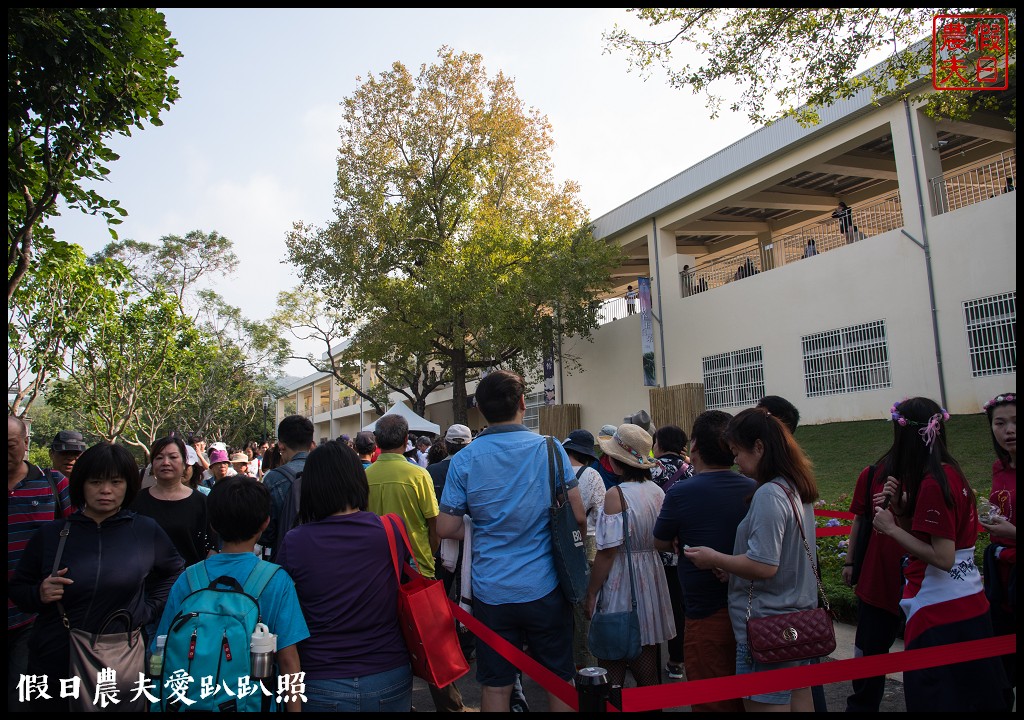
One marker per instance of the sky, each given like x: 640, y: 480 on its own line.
x: 250, y: 147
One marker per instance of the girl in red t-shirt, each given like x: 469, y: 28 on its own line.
x: 1000, y: 570
x: 933, y: 517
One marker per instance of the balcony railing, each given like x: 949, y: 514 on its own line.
x: 981, y: 181
x: 614, y: 309
x: 724, y: 269
x: 955, y: 189
x: 869, y: 219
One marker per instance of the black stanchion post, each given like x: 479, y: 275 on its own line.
x: 592, y: 689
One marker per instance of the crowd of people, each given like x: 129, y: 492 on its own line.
x: 702, y: 531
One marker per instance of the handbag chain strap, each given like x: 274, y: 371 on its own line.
x: 807, y: 549
x: 629, y: 555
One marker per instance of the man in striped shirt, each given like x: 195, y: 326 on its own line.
x: 34, y: 497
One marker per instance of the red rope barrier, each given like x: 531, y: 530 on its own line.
x: 658, y: 697
x: 723, y: 688
x: 564, y: 691
x: 841, y: 514
x: 830, y: 531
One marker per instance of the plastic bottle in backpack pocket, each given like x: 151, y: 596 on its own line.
x: 262, y: 649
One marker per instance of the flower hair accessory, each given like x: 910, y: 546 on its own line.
x: 894, y: 412
x: 999, y: 399
x: 931, y: 431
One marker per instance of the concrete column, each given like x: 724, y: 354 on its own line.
x: 920, y: 138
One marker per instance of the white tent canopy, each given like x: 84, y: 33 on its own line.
x: 416, y: 423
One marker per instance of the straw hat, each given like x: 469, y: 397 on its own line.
x: 630, y: 444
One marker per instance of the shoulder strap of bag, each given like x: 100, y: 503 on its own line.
x: 58, y: 509
x: 259, y: 577
x: 396, y: 521
x: 552, y: 456
x: 580, y: 471
x: 807, y: 549
x: 64, y: 532
x: 867, y: 493
x: 196, y: 576
x: 388, y: 522
x: 629, y: 555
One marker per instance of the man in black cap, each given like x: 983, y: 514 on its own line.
x: 67, y: 445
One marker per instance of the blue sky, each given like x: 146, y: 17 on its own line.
x: 251, y: 145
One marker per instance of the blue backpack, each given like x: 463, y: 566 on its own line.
x: 209, y: 638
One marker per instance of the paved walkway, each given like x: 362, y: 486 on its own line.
x: 835, y: 694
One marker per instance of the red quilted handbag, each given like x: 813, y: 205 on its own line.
x: 791, y: 636
x: 425, y: 618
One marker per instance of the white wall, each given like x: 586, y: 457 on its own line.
x: 879, y: 278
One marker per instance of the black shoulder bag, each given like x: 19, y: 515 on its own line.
x: 566, y: 539
x: 864, y: 535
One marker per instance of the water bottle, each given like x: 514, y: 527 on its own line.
x: 262, y: 648
x: 156, y: 660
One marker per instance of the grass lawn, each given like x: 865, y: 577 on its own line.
x: 840, y: 451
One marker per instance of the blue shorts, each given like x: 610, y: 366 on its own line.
x: 544, y: 626
x: 745, y: 664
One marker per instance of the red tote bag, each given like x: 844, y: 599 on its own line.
x: 425, y: 617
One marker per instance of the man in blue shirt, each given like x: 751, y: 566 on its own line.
x: 501, y: 480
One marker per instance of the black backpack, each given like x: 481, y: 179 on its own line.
x: 289, y: 516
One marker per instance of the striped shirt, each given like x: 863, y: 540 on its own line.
x: 29, y: 505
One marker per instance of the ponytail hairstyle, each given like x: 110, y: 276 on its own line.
x: 919, y: 449
x: 990, y: 409
x: 782, y: 456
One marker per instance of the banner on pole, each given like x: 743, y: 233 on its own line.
x: 647, y: 332
x: 549, y: 376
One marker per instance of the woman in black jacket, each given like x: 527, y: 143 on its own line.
x: 113, y: 560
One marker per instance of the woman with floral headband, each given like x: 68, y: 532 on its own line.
x: 927, y: 506
x: 1001, y: 553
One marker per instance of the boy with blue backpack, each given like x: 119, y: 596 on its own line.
x: 217, y: 605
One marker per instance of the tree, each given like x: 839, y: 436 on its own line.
x: 309, y: 316
x: 176, y: 264
x: 75, y: 78
x: 134, y: 368
x: 805, y: 58
x: 51, y: 314
x: 450, y: 236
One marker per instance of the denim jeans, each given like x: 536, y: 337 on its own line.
x: 388, y: 691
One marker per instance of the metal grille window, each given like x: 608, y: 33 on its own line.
x: 733, y: 379
x: 846, y: 360
x: 534, y: 402
x: 991, y: 334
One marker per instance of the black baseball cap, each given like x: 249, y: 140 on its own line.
x: 68, y: 441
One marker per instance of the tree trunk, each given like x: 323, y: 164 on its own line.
x: 419, y: 405
x: 459, y: 411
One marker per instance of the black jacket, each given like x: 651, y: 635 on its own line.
x: 126, y: 562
